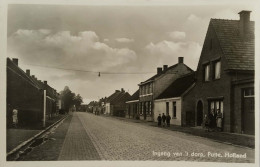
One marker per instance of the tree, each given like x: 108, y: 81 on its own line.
x: 68, y: 98
x: 77, y: 101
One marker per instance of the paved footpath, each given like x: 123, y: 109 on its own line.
x: 91, y: 137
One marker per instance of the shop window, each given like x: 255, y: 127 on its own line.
x: 216, y: 105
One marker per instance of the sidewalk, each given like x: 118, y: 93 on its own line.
x: 223, y: 137
x: 16, y: 136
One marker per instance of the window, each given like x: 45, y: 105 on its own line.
x: 150, y: 88
x: 206, y: 72
x: 141, y: 108
x: 217, y: 67
x: 249, y: 92
x: 150, y: 108
x: 174, y: 109
x: 147, y: 108
x: 167, y: 108
x: 216, y: 105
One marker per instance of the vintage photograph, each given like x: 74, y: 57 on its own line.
x: 131, y: 83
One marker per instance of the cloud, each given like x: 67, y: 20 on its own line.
x: 85, y: 50
x: 166, y: 52
x: 178, y: 35
x: 193, y: 18
x: 106, y: 40
x: 124, y: 40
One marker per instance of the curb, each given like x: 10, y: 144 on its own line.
x: 20, y: 146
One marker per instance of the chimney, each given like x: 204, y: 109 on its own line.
x: 180, y: 59
x: 244, y: 23
x: 165, y: 67
x: 117, y: 90
x: 45, y: 82
x: 122, y: 90
x: 33, y: 76
x: 159, y: 70
x: 15, y: 60
x: 28, y: 72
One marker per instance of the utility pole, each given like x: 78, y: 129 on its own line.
x: 44, y: 107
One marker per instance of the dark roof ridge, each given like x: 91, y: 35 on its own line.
x: 163, y: 72
x: 24, y: 73
x: 228, y: 19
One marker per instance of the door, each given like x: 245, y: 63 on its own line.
x: 248, y: 114
x: 199, y: 113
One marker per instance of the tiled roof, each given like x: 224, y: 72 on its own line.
x: 135, y: 96
x: 121, y: 98
x: 114, y: 95
x: 118, y: 97
x: 169, y: 68
x: 178, y: 87
x: 239, y: 53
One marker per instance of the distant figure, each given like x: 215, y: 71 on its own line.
x: 219, y: 120
x: 163, y: 119
x: 15, y: 117
x: 159, y: 119
x: 212, y: 120
x: 206, y: 122
x: 168, y: 119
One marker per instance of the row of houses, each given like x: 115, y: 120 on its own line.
x: 30, y: 96
x: 223, y: 80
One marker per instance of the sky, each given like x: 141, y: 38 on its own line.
x: 68, y: 45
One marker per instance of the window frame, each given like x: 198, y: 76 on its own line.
x: 214, y: 69
x: 204, y: 72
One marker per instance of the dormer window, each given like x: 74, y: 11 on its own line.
x: 217, y: 67
x: 206, y: 72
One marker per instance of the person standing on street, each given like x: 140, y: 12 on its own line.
x: 159, y: 119
x: 15, y: 117
x: 212, y: 120
x: 163, y: 119
x: 219, y: 120
x: 168, y: 119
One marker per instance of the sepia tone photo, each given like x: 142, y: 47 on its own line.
x: 97, y: 83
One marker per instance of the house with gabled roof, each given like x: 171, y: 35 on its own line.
x: 151, y: 88
x: 115, y: 103
x: 25, y: 93
x: 225, y: 76
x: 170, y: 100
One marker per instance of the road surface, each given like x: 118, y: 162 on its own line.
x: 85, y: 136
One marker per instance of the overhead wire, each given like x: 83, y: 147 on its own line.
x: 89, y: 71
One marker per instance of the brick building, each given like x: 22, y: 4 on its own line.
x: 132, y: 106
x: 26, y: 94
x: 225, y: 76
x: 115, y: 103
x: 154, y: 86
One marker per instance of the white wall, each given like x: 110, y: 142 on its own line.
x: 160, y: 107
x: 107, y: 108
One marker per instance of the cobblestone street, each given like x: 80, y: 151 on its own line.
x: 91, y: 137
